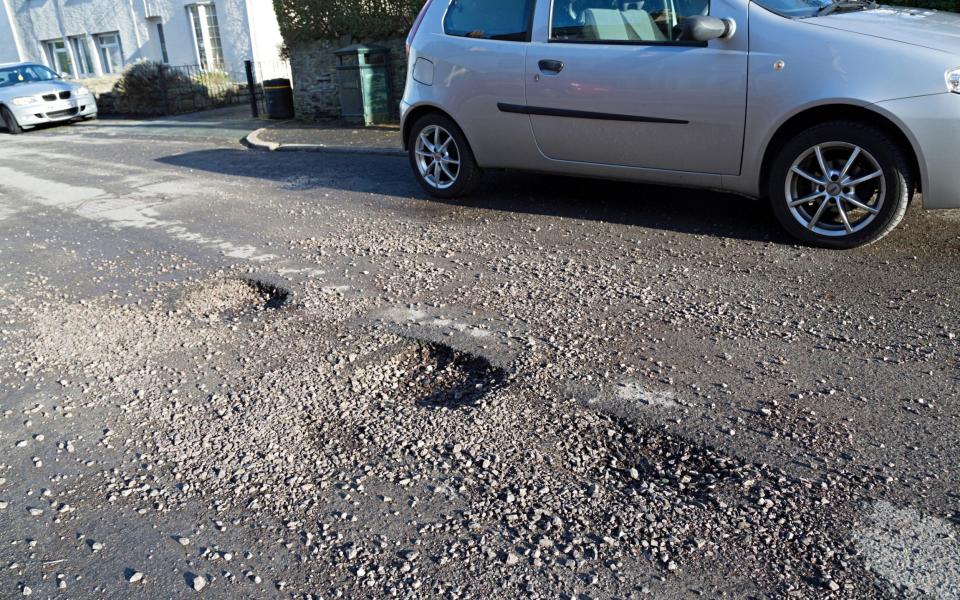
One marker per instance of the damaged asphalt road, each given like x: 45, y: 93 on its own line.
x: 238, y: 374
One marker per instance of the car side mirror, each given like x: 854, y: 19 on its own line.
x: 701, y: 28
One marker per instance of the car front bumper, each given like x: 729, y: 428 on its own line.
x: 933, y: 125
x: 53, y: 112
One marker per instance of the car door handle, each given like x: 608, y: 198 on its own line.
x: 550, y: 66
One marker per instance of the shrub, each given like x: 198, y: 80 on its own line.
x: 141, y: 81
x: 308, y: 20
x: 148, y: 87
x: 213, y: 80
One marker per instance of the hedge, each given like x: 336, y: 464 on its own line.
x: 308, y: 20
x: 142, y: 82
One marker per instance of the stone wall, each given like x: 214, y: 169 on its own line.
x: 180, y: 100
x: 316, y: 94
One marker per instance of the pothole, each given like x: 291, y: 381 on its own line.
x: 234, y: 297
x: 431, y: 374
x: 637, y: 457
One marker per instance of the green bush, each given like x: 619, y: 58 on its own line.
x: 213, y: 80
x: 308, y: 20
x: 148, y: 87
x: 141, y: 81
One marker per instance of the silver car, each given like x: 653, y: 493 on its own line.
x: 837, y: 112
x: 32, y: 94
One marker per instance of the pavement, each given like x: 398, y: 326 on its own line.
x: 223, y: 125
x: 230, y: 373
x: 326, y: 137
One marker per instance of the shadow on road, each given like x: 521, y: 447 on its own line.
x: 655, y: 207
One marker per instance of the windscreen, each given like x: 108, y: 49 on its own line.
x: 794, y: 8
x: 25, y: 74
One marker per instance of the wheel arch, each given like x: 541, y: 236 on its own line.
x: 4, y: 107
x: 415, y: 114
x: 835, y: 112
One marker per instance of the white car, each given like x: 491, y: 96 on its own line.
x: 32, y: 94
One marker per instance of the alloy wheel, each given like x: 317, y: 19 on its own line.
x: 437, y: 157
x: 835, y: 189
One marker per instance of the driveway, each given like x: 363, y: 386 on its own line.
x: 249, y: 374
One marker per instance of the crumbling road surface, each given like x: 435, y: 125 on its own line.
x: 254, y: 375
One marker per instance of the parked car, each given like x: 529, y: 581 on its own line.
x: 32, y: 94
x: 836, y: 111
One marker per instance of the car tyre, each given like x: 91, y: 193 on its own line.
x: 840, y: 184
x: 441, y: 158
x: 10, y: 122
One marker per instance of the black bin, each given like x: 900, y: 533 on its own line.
x: 279, y: 97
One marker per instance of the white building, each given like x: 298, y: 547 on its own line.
x: 90, y: 38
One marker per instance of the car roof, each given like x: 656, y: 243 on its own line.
x: 16, y: 64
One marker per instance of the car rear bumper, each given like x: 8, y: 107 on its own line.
x: 404, y: 112
x: 28, y: 116
x: 933, y: 125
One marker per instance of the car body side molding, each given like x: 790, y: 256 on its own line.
x: 582, y: 114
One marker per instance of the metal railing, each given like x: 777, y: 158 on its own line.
x: 186, y: 88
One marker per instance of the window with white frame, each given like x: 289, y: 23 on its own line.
x: 81, y: 51
x: 58, y: 56
x: 206, y: 35
x: 111, y: 52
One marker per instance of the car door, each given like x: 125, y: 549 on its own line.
x: 610, y: 82
x: 475, y: 52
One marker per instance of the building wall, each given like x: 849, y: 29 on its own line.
x: 265, y: 39
x: 9, y: 42
x: 136, y: 21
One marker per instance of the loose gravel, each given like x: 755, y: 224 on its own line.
x: 391, y: 465
x: 376, y: 396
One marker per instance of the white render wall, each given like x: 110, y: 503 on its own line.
x: 248, y: 29
x: 9, y: 40
x: 265, y: 38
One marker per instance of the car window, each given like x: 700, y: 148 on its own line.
x: 639, y: 21
x: 489, y: 19
x: 25, y: 74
